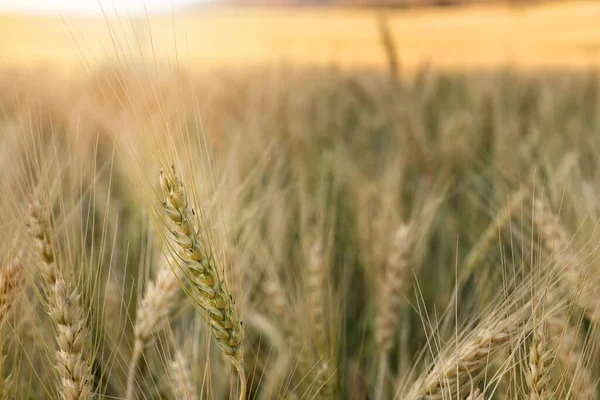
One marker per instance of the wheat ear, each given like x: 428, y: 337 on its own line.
x: 157, y: 303
x: 39, y: 228
x: 390, y: 300
x: 213, y: 293
x: 72, y: 366
x: 183, y: 385
x: 316, y: 285
x: 64, y: 310
x: 12, y: 280
x: 570, y: 355
x: 317, y: 292
x: 463, y: 366
x: 540, y: 362
x: 555, y: 237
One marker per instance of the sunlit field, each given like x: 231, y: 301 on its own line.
x: 310, y: 204
x: 562, y: 34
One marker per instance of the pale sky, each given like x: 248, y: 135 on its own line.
x: 93, y: 7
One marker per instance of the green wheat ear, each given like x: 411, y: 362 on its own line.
x: 213, y: 293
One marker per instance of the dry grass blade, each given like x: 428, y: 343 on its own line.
x: 212, y: 291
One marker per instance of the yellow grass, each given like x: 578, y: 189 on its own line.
x: 561, y: 34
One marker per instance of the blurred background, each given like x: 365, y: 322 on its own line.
x: 455, y: 34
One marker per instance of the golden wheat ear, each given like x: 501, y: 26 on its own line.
x: 12, y: 280
x: 64, y: 308
x: 212, y: 292
x: 540, y: 363
x: 73, y: 369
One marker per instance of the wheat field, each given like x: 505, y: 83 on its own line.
x: 552, y: 35
x: 297, y: 230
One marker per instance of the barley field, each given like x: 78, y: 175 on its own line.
x: 300, y: 230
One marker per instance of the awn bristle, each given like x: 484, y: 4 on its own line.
x: 72, y: 366
x: 213, y: 293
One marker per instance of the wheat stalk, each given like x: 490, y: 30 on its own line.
x: 157, y: 303
x: 212, y: 289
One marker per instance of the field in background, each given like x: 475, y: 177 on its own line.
x: 552, y: 35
